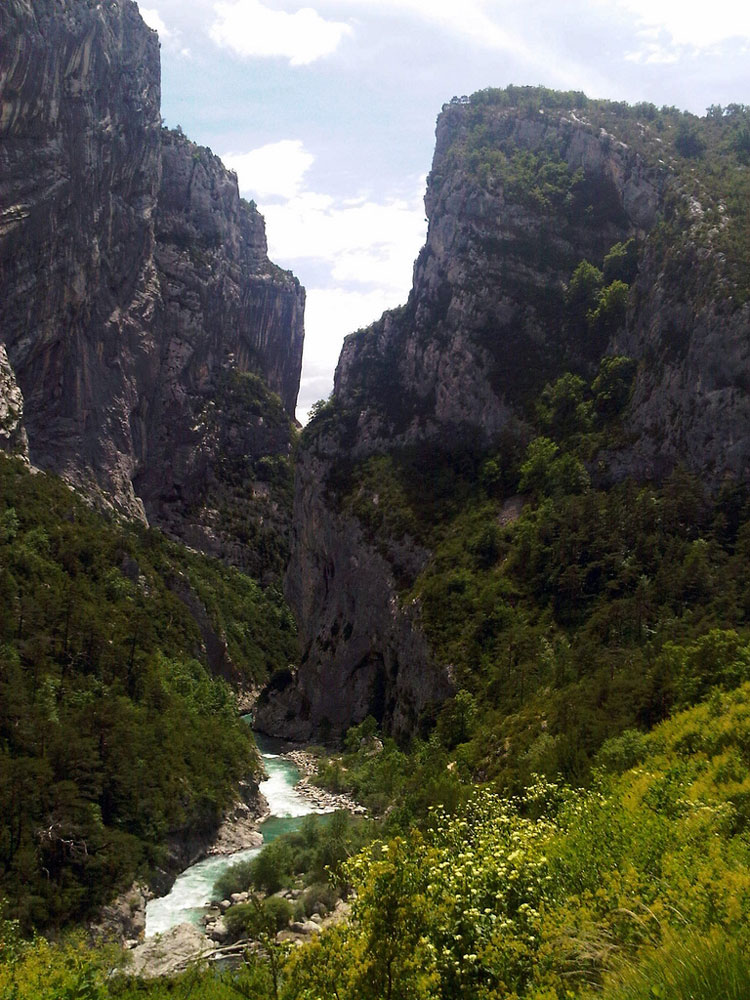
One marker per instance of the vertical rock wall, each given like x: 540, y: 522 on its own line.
x: 136, y: 286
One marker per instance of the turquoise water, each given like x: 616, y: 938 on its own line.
x: 193, y: 889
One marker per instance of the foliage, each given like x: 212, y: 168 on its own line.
x: 249, y: 920
x: 621, y: 263
x: 113, y: 732
x: 638, y: 887
x: 693, y: 968
x: 39, y: 970
x: 613, y: 386
x: 546, y: 894
x: 558, y: 617
x: 306, y: 856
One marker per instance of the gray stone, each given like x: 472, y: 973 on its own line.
x: 135, y: 287
x: 481, y: 334
x: 219, y: 931
x: 169, y: 953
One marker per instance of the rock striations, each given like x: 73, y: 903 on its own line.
x: 524, y: 187
x: 145, y: 326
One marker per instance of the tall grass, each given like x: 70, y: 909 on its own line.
x: 714, y: 967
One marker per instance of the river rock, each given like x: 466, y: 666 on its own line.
x: 224, y: 905
x: 125, y: 917
x: 169, y: 953
x: 218, y: 931
x: 304, y: 927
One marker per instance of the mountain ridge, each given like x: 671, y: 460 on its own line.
x: 562, y: 232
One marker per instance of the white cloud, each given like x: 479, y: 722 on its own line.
x: 271, y: 171
x: 330, y: 314
x: 249, y: 28
x: 153, y: 20
x: 366, y: 248
x: 687, y: 23
x: 470, y: 18
x: 361, y: 241
x: 368, y: 243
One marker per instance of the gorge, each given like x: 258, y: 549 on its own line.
x: 499, y: 581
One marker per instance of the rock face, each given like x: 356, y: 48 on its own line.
x: 138, y: 299
x: 482, y: 327
x: 517, y: 198
x: 691, y: 404
x: 361, y: 654
x: 13, y: 439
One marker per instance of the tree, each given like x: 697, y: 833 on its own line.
x: 613, y: 386
x: 583, y: 291
x: 562, y: 409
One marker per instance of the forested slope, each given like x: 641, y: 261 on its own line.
x: 120, y: 743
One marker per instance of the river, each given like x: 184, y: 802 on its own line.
x: 192, y: 891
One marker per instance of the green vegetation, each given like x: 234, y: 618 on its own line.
x: 305, y: 858
x: 114, y: 733
x: 575, y: 821
x: 701, y: 159
x: 256, y: 439
x: 250, y: 920
x: 556, y: 891
x: 570, y: 612
x: 636, y: 888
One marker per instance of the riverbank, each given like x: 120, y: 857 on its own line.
x: 307, y: 764
x: 187, y: 924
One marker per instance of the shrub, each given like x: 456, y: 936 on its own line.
x: 277, y: 912
x: 258, y: 917
x: 273, y: 867
x: 237, y: 878
x: 318, y: 898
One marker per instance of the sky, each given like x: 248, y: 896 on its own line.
x: 327, y: 112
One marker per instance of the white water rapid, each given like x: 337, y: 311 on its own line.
x: 193, y: 889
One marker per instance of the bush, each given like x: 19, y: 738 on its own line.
x: 258, y: 917
x: 613, y: 386
x: 274, y: 866
x: 277, y: 912
x: 318, y: 898
x: 237, y: 878
x: 621, y: 263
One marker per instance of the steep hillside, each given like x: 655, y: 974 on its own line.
x: 150, y: 355
x: 583, y: 284
x: 137, y: 291
x: 120, y: 747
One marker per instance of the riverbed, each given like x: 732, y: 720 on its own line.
x: 192, y: 891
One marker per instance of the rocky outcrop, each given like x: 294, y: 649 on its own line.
x: 13, y: 439
x: 691, y: 404
x: 79, y: 177
x: 170, y: 953
x: 518, y: 196
x: 481, y: 331
x: 124, y: 919
x: 361, y: 654
x: 157, y: 348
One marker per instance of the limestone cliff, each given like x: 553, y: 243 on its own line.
x: 138, y: 299
x: 525, y: 185
x: 13, y: 439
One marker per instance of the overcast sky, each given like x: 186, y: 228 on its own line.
x: 327, y: 112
